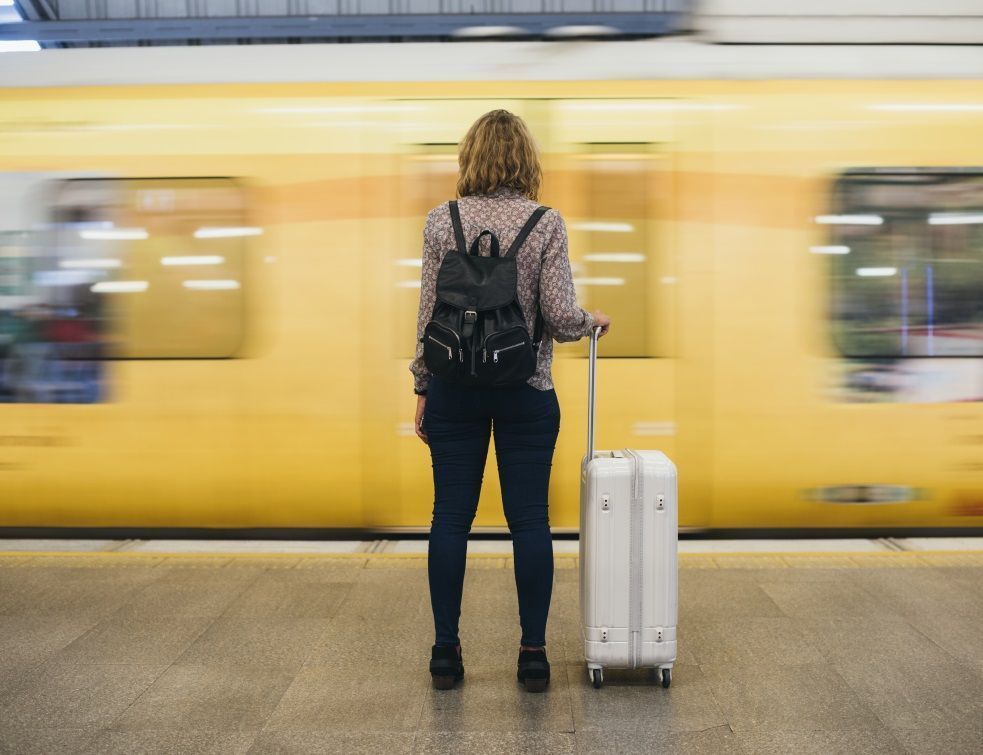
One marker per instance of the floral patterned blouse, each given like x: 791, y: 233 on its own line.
x: 543, y: 265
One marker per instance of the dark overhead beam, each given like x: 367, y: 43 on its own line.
x: 407, y: 26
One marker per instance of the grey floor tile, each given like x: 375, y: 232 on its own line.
x: 490, y: 592
x: 854, y: 637
x: 350, y: 642
x: 278, y: 595
x: 875, y: 738
x: 169, y: 742
x: 705, y: 598
x: 496, y: 743
x: 185, y: 594
x: 959, y: 636
x: 39, y: 740
x: 256, y: 642
x: 353, y: 697
x: 143, y: 640
x: 824, y: 599
x: 635, y: 701
x: 217, y: 696
x: 944, y: 741
x: 491, y: 699
x: 66, y: 696
x: 28, y: 640
x: 913, y: 593
x: 332, y: 742
x: 80, y: 593
x: 907, y: 695
x: 796, y: 698
x: 717, y: 739
x: 760, y: 640
x: 386, y: 597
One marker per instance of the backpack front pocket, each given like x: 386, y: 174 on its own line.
x: 507, y: 357
x: 442, y: 350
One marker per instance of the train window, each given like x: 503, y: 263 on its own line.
x: 618, y: 264
x: 161, y: 259
x: 906, y: 262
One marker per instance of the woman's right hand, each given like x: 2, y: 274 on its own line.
x: 601, y: 319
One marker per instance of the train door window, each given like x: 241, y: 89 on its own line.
x: 161, y: 260
x: 429, y: 178
x: 906, y: 254
x: 618, y: 263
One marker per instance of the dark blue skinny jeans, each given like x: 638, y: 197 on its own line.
x: 458, y: 421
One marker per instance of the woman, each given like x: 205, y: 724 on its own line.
x: 498, y: 186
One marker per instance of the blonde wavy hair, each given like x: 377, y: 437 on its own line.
x: 498, y: 152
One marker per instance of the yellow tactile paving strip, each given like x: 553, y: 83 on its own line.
x: 805, y: 560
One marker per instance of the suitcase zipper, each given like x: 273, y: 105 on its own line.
x: 496, y: 352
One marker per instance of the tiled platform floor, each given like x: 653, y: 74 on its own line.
x: 805, y: 653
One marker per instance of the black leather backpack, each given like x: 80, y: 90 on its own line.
x: 477, y: 334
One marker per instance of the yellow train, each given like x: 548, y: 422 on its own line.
x: 792, y: 259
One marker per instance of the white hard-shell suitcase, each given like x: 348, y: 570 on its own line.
x: 628, y: 536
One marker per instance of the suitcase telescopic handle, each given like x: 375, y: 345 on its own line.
x: 595, y: 333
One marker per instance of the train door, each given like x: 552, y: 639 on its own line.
x: 610, y: 171
x: 608, y: 167
x: 423, y: 136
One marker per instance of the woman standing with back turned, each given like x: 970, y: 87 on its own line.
x: 498, y: 186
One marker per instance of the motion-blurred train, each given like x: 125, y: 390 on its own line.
x: 210, y: 260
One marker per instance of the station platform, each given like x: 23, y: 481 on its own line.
x: 797, y: 646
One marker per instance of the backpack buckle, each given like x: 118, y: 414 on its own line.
x: 470, y: 315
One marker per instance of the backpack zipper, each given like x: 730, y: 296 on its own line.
x: 496, y: 352
x: 450, y: 351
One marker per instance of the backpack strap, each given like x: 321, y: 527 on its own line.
x: 526, y: 230
x: 462, y: 244
x: 537, y: 334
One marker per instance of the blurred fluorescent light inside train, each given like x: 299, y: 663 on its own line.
x: 410, y: 262
x: 954, y: 218
x: 614, y: 257
x: 667, y: 279
x: 192, y: 259
x: 211, y: 285
x: 581, y: 30
x: 118, y: 287
x: 223, y: 233
x: 849, y: 219
x: 96, y: 262
x: 876, y: 272
x: 599, y: 281
x: 834, y: 249
x: 604, y: 227
x: 50, y: 278
x: 114, y: 234
x: 930, y: 107
x: 408, y: 284
x: 471, y: 32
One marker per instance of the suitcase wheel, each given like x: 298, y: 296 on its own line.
x: 666, y: 677
x: 596, y: 677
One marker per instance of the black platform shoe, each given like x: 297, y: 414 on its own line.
x: 534, y: 669
x: 446, y: 666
